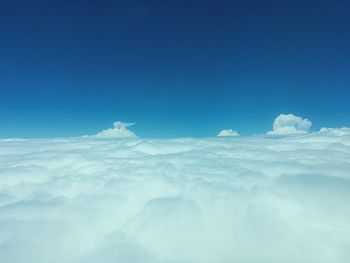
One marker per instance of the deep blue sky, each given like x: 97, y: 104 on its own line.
x: 176, y: 68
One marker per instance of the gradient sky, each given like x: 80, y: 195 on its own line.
x: 176, y: 68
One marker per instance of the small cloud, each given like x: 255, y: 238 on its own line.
x: 119, y: 130
x: 335, y: 131
x: 290, y: 124
x: 228, y: 133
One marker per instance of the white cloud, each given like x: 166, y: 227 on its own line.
x: 144, y: 200
x: 290, y: 124
x: 228, y: 133
x: 119, y: 130
x: 335, y: 131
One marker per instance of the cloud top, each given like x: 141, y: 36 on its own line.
x: 228, y: 133
x: 145, y: 200
x: 119, y: 130
x: 290, y: 124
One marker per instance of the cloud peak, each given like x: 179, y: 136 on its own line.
x: 228, y: 133
x: 119, y: 130
x: 290, y: 124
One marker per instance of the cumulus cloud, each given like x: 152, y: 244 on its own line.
x: 144, y: 200
x: 227, y: 133
x: 290, y: 124
x: 119, y: 130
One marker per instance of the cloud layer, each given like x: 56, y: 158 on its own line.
x: 290, y: 124
x: 335, y: 131
x: 252, y: 199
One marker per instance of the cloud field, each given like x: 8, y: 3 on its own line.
x: 232, y: 199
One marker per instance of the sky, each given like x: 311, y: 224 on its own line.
x: 175, y: 68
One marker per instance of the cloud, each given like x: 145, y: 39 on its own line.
x: 335, y: 131
x: 119, y: 130
x: 290, y: 124
x: 227, y: 133
x: 145, y: 200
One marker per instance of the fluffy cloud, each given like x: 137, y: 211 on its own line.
x: 144, y: 200
x: 227, y: 133
x: 119, y: 130
x: 290, y: 124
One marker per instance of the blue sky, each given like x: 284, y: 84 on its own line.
x: 176, y: 68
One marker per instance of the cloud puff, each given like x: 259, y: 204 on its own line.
x: 119, y: 130
x: 144, y: 200
x: 290, y: 124
x: 227, y: 133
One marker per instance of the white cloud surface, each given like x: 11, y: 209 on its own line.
x: 290, y: 124
x: 119, y: 130
x: 254, y: 199
x: 227, y: 133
